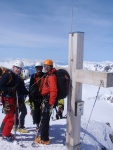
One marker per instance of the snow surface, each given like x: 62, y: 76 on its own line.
x: 94, y: 130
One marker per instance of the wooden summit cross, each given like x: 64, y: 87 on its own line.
x: 79, y: 76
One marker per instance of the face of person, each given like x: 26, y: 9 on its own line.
x: 17, y: 70
x: 39, y: 68
x: 47, y: 68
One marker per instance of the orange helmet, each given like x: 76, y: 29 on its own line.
x: 48, y: 62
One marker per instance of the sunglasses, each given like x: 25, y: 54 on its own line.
x: 39, y: 67
x: 47, y: 67
x: 19, y: 68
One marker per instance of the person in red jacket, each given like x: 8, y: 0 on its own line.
x: 8, y: 90
x: 49, y: 93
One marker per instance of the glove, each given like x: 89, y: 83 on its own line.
x: 7, y: 107
x: 32, y: 107
x: 47, y: 107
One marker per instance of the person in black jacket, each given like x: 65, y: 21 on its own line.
x: 35, y: 97
x: 8, y: 88
x: 22, y: 93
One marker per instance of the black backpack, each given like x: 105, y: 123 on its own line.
x: 63, y: 82
x: 4, y: 70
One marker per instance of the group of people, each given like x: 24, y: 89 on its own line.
x: 42, y: 94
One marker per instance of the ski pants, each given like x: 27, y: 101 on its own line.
x: 23, y: 112
x: 8, y: 122
x: 36, y: 113
x: 45, y: 118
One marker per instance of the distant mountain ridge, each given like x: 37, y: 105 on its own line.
x: 88, y: 65
x: 99, y: 66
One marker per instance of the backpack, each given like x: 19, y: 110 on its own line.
x: 4, y: 70
x: 63, y: 82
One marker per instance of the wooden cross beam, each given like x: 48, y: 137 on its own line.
x: 94, y: 77
x: 79, y: 76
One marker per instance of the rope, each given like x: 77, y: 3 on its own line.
x: 37, y: 81
x: 101, y: 84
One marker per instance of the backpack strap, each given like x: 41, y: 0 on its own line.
x: 3, y: 70
x: 10, y: 77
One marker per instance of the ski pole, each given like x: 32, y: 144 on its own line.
x: 19, y: 118
x: 33, y: 144
x: 15, y: 115
x: 57, y: 115
x: 52, y: 114
x: 15, y: 125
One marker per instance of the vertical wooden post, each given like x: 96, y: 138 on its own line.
x: 75, y: 61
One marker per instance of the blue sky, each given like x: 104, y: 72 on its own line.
x: 39, y: 29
